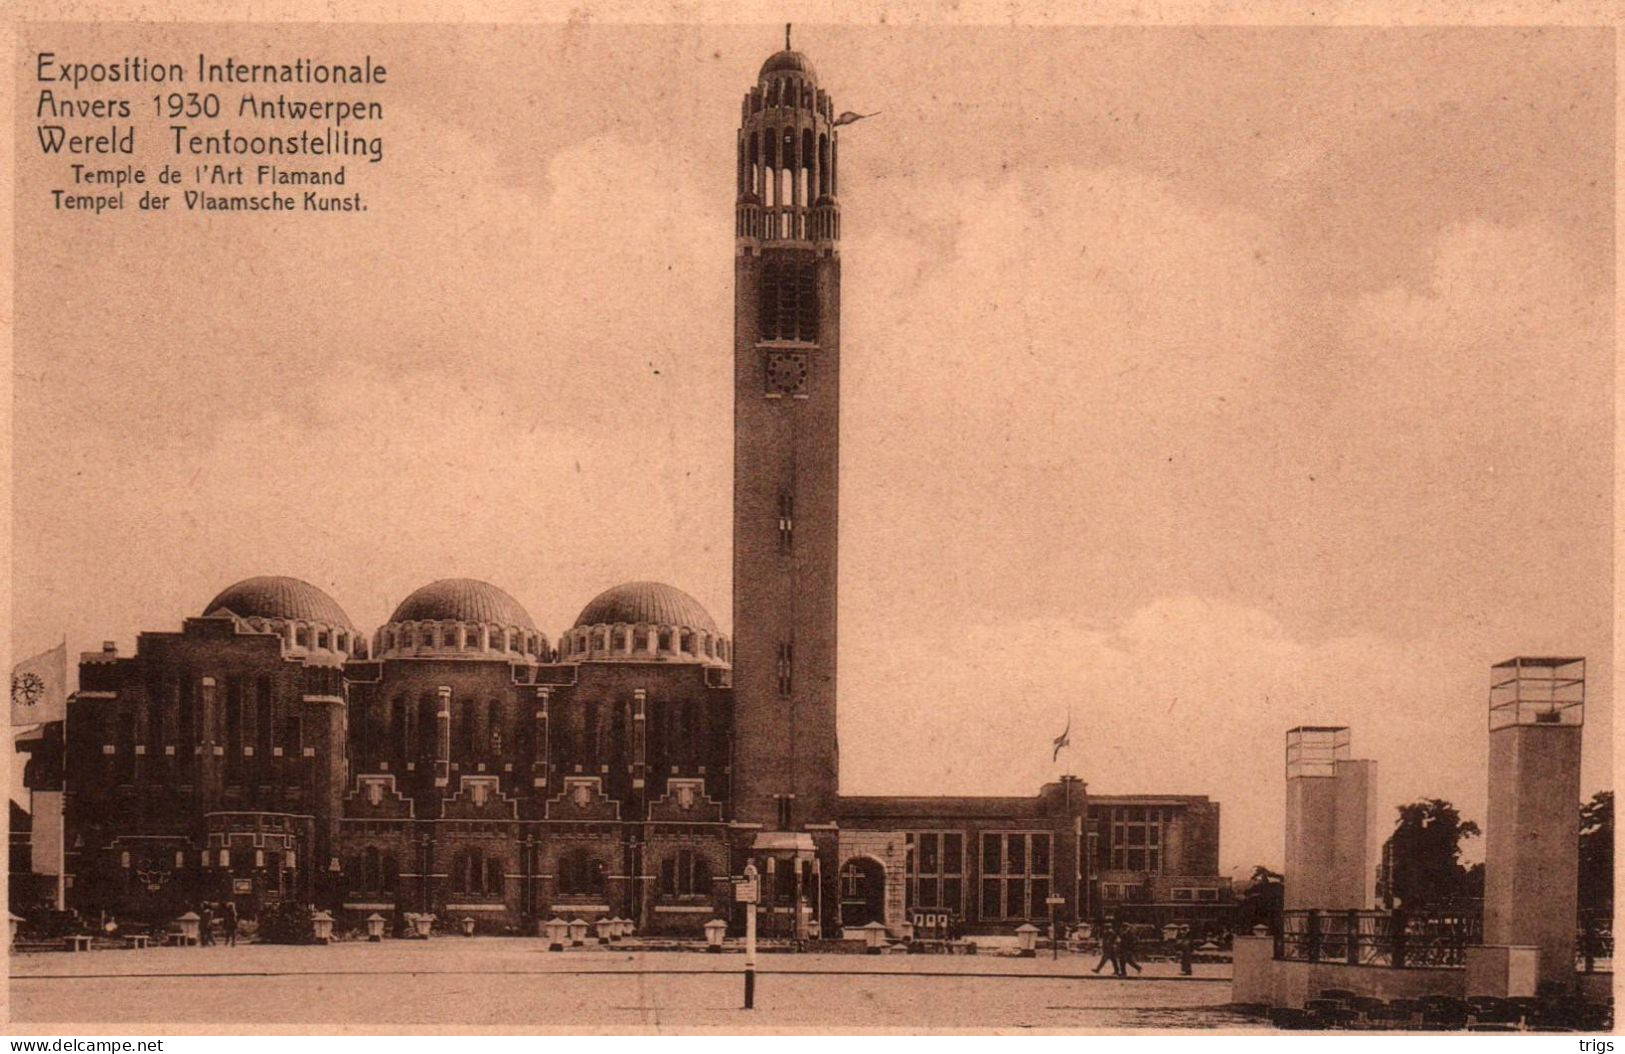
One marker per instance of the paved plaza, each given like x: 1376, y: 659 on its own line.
x: 518, y: 984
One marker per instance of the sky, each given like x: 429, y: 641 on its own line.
x: 1197, y: 382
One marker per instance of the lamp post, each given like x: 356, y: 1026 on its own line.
x: 578, y: 931
x: 606, y: 929
x: 375, y: 927
x: 1054, y: 903
x: 874, y: 935
x: 468, y: 925
x: 748, y: 891
x: 713, y: 935
x: 1027, y: 934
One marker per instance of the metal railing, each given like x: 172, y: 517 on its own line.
x: 1594, y: 943
x: 1379, y: 938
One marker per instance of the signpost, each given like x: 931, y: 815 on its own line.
x: 746, y: 892
x: 1054, y: 903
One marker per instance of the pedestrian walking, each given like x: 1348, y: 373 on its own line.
x: 1108, y: 949
x: 206, y: 924
x: 1125, y: 952
x: 1187, y: 952
x: 230, y: 923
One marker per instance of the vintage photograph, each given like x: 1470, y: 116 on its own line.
x: 720, y: 524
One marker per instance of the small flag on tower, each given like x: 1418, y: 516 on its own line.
x: 1063, y: 740
x: 849, y: 117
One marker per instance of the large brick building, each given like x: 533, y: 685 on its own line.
x: 459, y: 761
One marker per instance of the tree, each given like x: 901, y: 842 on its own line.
x: 1424, y: 856
x: 1260, y: 903
x: 1597, y: 854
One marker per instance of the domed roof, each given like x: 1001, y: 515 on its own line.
x: 277, y: 597
x: 462, y: 600
x: 788, y: 61
x: 647, y: 603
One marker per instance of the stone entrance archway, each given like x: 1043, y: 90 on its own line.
x: 863, y: 892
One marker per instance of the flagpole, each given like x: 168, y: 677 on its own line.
x: 62, y: 800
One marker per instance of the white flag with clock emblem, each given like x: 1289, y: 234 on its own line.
x: 39, y: 688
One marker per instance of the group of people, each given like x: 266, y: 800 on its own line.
x: 1117, y: 948
x: 226, y: 913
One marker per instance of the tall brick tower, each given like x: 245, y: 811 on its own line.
x: 787, y: 313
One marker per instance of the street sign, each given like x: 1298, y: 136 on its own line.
x: 746, y: 892
x: 1054, y: 901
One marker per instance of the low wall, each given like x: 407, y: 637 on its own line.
x: 1258, y: 977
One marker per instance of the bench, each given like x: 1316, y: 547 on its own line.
x: 76, y: 942
x: 136, y: 940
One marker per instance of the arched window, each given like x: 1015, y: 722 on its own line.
x: 686, y: 642
x: 301, y: 636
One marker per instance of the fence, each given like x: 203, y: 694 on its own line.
x: 1378, y: 938
x: 1594, y: 945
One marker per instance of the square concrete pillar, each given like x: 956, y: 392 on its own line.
x: 1532, y: 832
x: 1501, y: 970
x: 1330, y: 814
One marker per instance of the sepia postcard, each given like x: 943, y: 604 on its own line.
x: 813, y: 519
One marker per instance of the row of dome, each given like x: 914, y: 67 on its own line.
x: 467, y: 618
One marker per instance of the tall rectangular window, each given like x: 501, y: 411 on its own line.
x: 936, y: 870
x: 1016, y: 874
x: 1136, y: 838
x: 265, y: 715
x: 786, y: 664
x: 789, y: 297
x: 787, y: 521
x: 234, y: 729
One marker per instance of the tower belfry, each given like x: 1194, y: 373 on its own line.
x: 786, y: 430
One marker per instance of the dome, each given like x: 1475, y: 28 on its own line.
x: 646, y: 603
x: 276, y: 597
x: 788, y: 61
x: 462, y: 600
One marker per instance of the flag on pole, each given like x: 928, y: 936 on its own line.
x: 852, y: 118
x: 1063, y: 740
x: 39, y: 687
